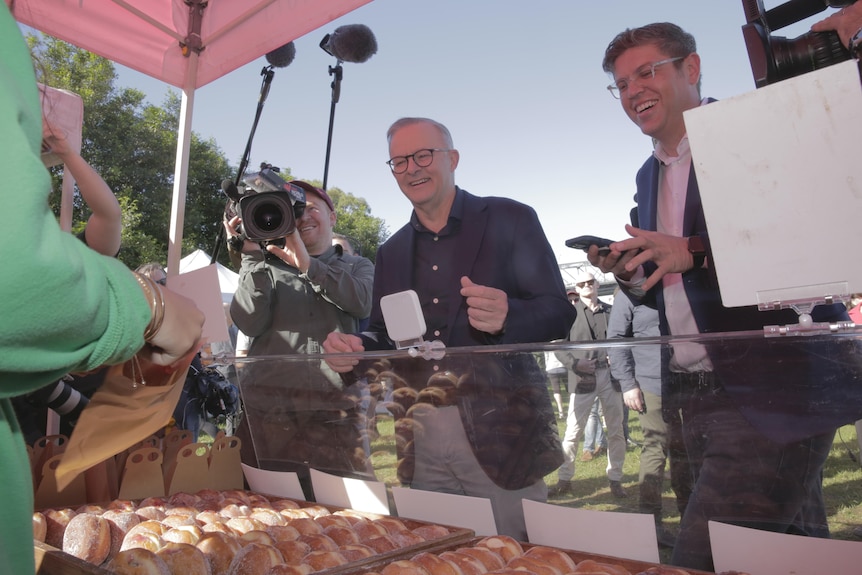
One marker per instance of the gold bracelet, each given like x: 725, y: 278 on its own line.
x: 156, y: 298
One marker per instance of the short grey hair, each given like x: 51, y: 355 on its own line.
x: 402, y: 122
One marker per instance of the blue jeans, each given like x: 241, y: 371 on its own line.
x: 594, y: 434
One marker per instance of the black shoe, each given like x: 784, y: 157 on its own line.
x: 665, y: 538
x: 562, y: 488
x: 617, y: 490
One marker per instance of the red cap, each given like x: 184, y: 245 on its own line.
x: 309, y: 189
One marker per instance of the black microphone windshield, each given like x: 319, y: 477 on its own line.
x: 282, y: 57
x: 230, y: 190
x: 351, y: 43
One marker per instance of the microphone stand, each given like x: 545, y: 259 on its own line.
x: 267, y: 72
x: 336, y: 72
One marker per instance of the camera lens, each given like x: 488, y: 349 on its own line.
x: 268, y: 217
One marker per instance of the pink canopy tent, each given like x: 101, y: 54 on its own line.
x: 186, y: 43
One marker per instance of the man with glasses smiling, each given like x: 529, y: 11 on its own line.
x: 753, y: 463
x: 485, y: 274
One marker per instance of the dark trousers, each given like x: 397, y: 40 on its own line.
x: 743, y: 478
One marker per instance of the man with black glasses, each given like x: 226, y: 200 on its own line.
x: 484, y: 274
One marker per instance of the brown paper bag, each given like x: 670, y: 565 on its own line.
x: 120, y: 414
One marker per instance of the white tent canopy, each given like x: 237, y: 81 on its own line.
x: 227, y: 278
x: 186, y: 43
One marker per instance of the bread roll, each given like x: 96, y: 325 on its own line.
x: 292, y: 551
x: 330, y: 520
x: 219, y: 549
x: 320, y: 560
x: 537, y: 566
x: 436, y: 566
x: 256, y: 536
x: 368, y: 529
x: 142, y: 540
x: 431, y: 532
x: 269, y: 517
x: 341, y: 535
x: 467, y: 564
x: 185, y: 559
x: 189, y: 534
x: 120, y: 522
x: 556, y: 557
x: 57, y: 520
x: 255, y: 559
x: 88, y: 537
x: 406, y: 538
x: 356, y: 552
x: 391, y: 524
x: 283, y: 532
x: 381, y: 543
x: 138, y: 561
x: 489, y: 559
x: 306, y: 525
x: 404, y: 567
x: 503, y: 545
x: 319, y: 542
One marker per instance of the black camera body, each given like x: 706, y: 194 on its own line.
x: 775, y: 58
x: 268, y: 205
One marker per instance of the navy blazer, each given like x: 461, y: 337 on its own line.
x: 502, y: 397
x: 788, y: 388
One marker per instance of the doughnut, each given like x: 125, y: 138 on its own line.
x: 330, y: 520
x: 259, y: 500
x: 40, y: 527
x: 255, y: 559
x: 181, y: 499
x: 391, y: 524
x: 205, y: 517
x: 120, y: 523
x: 56, y: 520
x: 355, y: 552
x: 320, y: 560
x: 138, y: 561
x: 431, y: 532
x: 319, y: 542
x: 283, y: 532
x: 537, y: 566
x: 189, y: 534
x: 341, y: 535
x: 122, y: 505
x: 285, y: 569
x: 91, y: 509
x: 590, y: 566
x: 153, y: 501
x: 219, y: 549
x: 153, y: 512
x: 279, y: 504
x: 245, y: 524
x: 316, y: 510
x: 150, y: 526
x: 256, y: 536
x: 404, y: 567
x: 467, y: 564
x: 268, y: 517
x: 218, y: 527
x: 178, y: 520
x: 406, y: 538
x: 666, y: 570
x: 232, y: 510
x: 556, y: 557
x: 381, y: 543
x: 368, y: 529
x: 435, y: 565
x: 142, y: 540
x: 88, y: 537
x: 489, y: 559
x: 184, y: 558
x: 292, y: 551
x: 503, y: 545
x: 306, y: 525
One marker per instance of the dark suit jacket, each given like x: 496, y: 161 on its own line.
x: 789, y: 388
x: 502, y: 397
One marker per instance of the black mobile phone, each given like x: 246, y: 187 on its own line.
x: 584, y: 243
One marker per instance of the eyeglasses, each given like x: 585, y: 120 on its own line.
x: 584, y: 284
x: 422, y: 158
x: 643, y: 74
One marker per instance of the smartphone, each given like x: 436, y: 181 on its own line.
x: 584, y: 243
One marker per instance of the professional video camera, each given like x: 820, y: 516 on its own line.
x: 774, y: 58
x: 268, y: 205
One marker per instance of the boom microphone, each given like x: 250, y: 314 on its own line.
x: 350, y: 43
x: 282, y: 57
x: 230, y: 190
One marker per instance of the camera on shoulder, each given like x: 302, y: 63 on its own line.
x: 268, y: 205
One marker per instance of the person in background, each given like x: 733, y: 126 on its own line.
x: 484, y: 274
x: 595, y: 438
x: 351, y: 248
x: 592, y: 380
x: 556, y: 372
x: 638, y: 369
x: 55, y: 323
x: 756, y: 450
x: 287, y: 300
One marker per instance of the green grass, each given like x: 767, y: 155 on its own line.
x: 842, y: 480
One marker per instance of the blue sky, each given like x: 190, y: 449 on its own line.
x: 519, y: 84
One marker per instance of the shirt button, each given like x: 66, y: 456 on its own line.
x: 437, y: 332
x: 434, y: 268
x: 435, y: 300
x: 436, y: 368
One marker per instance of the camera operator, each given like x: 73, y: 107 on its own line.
x: 847, y: 23
x: 288, y: 299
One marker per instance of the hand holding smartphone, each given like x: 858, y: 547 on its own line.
x: 584, y: 243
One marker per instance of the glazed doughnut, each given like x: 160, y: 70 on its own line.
x: 404, y: 567
x: 556, y: 557
x: 319, y: 542
x: 292, y: 551
x: 355, y: 552
x: 184, y: 558
x: 56, y: 520
x: 537, y: 566
x: 256, y: 536
x: 40, y: 527
x: 320, y: 560
x: 434, y: 565
x: 255, y: 559
x: 283, y: 532
x: 138, y: 561
x: 431, y: 532
x: 489, y: 559
x: 503, y: 545
x: 467, y: 564
x: 189, y: 534
x: 219, y: 549
x: 88, y: 537
x: 591, y: 566
x: 341, y: 535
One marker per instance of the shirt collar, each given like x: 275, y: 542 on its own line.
x: 668, y: 157
x: 456, y: 213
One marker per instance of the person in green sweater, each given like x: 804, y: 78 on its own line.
x: 63, y: 306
